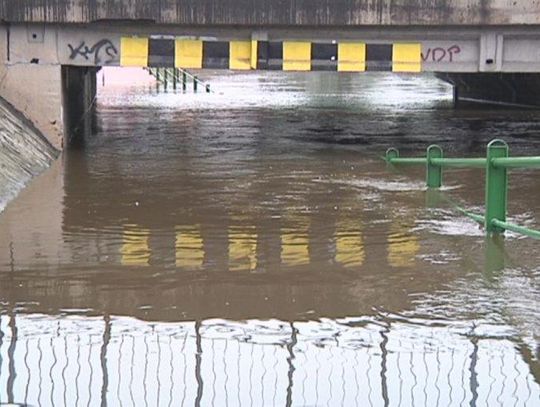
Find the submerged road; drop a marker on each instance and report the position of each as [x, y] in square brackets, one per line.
[250, 247]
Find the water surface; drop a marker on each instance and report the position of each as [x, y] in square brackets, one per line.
[249, 247]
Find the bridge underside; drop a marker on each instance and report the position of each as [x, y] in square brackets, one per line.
[48, 70]
[513, 89]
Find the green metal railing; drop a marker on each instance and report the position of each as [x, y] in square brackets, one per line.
[176, 77]
[496, 164]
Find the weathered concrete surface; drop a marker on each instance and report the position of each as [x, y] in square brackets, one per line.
[35, 91]
[278, 12]
[24, 153]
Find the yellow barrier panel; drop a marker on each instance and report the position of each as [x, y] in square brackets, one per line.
[407, 58]
[254, 53]
[240, 55]
[134, 51]
[351, 57]
[135, 250]
[296, 56]
[350, 248]
[189, 248]
[188, 54]
[242, 250]
[402, 246]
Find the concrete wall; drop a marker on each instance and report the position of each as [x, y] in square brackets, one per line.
[35, 91]
[23, 154]
[278, 12]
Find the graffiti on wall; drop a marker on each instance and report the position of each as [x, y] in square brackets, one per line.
[441, 54]
[102, 52]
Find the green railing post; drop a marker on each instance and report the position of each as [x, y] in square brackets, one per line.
[494, 254]
[496, 164]
[391, 153]
[434, 172]
[496, 186]
[195, 83]
[165, 78]
[433, 198]
[184, 81]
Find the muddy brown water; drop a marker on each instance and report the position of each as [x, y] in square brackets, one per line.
[249, 247]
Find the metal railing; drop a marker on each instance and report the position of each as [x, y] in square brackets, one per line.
[497, 163]
[177, 77]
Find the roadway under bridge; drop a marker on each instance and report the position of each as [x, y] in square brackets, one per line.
[50, 51]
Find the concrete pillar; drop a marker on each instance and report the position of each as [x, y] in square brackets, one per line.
[79, 88]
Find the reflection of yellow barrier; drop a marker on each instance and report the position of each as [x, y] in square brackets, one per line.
[189, 247]
[294, 248]
[242, 249]
[350, 248]
[135, 250]
[402, 246]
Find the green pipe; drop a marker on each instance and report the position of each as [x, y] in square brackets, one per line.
[478, 218]
[516, 162]
[442, 162]
[459, 162]
[515, 228]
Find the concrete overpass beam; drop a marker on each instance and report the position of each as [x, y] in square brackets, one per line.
[491, 52]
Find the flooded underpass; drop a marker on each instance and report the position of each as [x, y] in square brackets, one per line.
[249, 247]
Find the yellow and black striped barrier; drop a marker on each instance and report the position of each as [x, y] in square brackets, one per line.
[270, 55]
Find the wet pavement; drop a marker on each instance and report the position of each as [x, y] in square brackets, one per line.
[249, 247]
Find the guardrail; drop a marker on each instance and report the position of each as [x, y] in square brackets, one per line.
[497, 163]
[177, 76]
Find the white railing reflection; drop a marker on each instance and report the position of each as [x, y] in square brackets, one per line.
[364, 361]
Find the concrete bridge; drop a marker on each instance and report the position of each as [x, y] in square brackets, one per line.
[50, 51]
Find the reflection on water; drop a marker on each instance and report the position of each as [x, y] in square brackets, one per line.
[350, 361]
[249, 247]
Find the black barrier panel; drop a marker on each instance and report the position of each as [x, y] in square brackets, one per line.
[270, 55]
[379, 57]
[216, 54]
[161, 53]
[324, 57]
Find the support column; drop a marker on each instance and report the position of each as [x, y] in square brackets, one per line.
[79, 90]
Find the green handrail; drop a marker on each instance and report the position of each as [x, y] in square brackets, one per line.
[442, 162]
[460, 162]
[517, 162]
[496, 163]
[516, 228]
